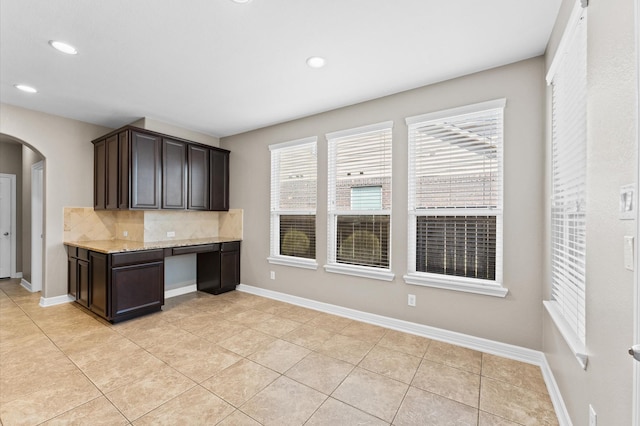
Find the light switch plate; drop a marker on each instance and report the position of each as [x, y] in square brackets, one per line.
[628, 252]
[627, 207]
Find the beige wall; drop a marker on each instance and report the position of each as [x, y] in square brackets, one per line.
[169, 129]
[611, 154]
[66, 146]
[515, 319]
[11, 163]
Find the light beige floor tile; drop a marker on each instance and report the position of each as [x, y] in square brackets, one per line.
[452, 383]
[238, 418]
[284, 402]
[276, 326]
[120, 369]
[204, 361]
[363, 331]
[246, 342]
[517, 373]
[250, 318]
[393, 364]
[330, 322]
[46, 403]
[98, 412]
[486, 419]
[197, 320]
[279, 355]
[345, 348]
[425, 408]
[309, 337]
[334, 412]
[372, 393]
[196, 406]
[455, 356]
[404, 342]
[273, 307]
[149, 334]
[219, 331]
[88, 340]
[240, 382]
[299, 314]
[320, 372]
[140, 397]
[513, 403]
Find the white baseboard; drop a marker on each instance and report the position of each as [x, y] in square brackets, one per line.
[505, 350]
[58, 300]
[180, 291]
[17, 275]
[26, 285]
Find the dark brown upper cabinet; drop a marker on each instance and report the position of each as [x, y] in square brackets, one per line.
[174, 174]
[198, 178]
[139, 169]
[219, 194]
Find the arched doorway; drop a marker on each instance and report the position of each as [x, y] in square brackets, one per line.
[21, 160]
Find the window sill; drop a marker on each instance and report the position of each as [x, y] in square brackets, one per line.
[297, 262]
[577, 347]
[455, 283]
[361, 271]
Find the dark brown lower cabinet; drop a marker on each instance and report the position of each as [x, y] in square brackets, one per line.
[125, 285]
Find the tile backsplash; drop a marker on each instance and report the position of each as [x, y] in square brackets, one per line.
[84, 223]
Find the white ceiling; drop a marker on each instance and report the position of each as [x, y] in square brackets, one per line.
[223, 68]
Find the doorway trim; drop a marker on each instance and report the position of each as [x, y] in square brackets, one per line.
[13, 254]
[636, 275]
[37, 225]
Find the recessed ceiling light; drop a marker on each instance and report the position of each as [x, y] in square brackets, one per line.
[316, 62]
[25, 88]
[242, 1]
[63, 47]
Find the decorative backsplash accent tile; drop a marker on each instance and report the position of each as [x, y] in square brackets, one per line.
[85, 224]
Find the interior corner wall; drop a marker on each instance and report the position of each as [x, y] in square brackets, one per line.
[29, 158]
[180, 132]
[10, 163]
[612, 123]
[515, 319]
[68, 152]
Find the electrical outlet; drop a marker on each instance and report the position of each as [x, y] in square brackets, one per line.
[593, 417]
[272, 275]
[171, 234]
[411, 300]
[125, 233]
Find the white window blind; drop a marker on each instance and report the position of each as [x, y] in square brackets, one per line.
[568, 204]
[359, 196]
[293, 199]
[455, 195]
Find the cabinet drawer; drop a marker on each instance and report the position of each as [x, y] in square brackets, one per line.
[196, 249]
[83, 254]
[232, 246]
[120, 259]
[72, 251]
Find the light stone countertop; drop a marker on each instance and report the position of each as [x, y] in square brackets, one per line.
[120, 246]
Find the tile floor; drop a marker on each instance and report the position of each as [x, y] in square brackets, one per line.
[240, 359]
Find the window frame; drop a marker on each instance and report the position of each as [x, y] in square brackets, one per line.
[275, 257]
[572, 330]
[384, 274]
[452, 282]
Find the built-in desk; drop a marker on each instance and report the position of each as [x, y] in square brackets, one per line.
[119, 280]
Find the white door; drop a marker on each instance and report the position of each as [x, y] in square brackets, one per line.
[5, 226]
[635, 350]
[37, 228]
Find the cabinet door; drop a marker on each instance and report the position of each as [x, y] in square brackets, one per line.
[99, 175]
[112, 176]
[198, 178]
[123, 170]
[145, 171]
[174, 176]
[72, 277]
[219, 180]
[229, 269]
[83, 282]
[99, 284]
[137, 288]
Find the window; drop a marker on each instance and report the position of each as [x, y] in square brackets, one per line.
[568, 79]
[455, 199]
[359, 196]
[293, 203]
